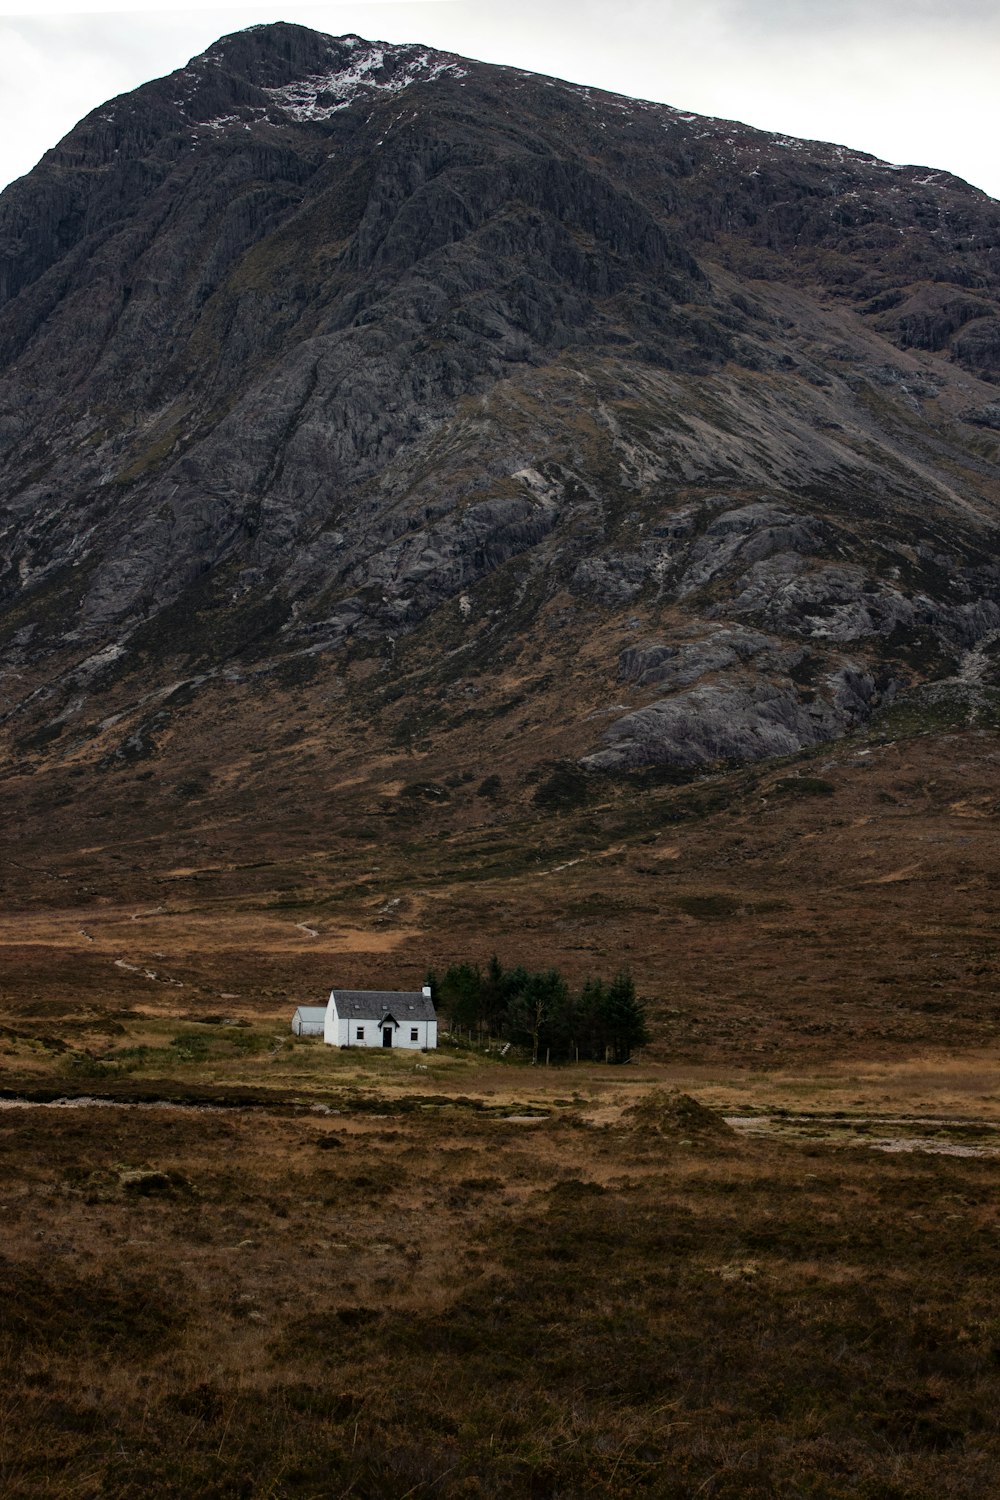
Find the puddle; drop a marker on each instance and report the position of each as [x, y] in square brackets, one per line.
[85, 1102]
[932, 1147]
[840, 1130]
[89, 1101]
[750, 1124]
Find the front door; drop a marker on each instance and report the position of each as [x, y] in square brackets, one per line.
[386, 1036]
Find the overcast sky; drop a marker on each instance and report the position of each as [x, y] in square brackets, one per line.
[910, 80]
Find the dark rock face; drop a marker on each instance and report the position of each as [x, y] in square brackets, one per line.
[275, 347]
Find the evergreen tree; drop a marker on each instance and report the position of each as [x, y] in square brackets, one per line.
[459, 992]
[495, 994]
[535, 1008]
[591, 1039]
[624, 1018]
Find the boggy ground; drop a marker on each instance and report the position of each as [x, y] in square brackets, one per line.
[587, 1285]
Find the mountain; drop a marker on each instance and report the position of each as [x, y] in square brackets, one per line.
[393, 442]
[320, 344]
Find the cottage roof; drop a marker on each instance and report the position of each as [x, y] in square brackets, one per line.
[315, 1013]
[372, 1005]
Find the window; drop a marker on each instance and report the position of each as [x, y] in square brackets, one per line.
[360, 1034]
[414, 1034]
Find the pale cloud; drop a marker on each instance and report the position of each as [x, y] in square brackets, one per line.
[823, 17]
[15, 8]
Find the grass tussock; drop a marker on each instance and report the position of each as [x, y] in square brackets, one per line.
[673, 1113]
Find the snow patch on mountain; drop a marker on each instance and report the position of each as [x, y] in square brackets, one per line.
[374, 70]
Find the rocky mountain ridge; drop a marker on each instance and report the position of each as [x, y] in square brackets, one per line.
[435, 388]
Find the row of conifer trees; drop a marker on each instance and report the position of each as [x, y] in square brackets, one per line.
[604, 1021]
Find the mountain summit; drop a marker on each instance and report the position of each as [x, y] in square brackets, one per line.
[484, 412]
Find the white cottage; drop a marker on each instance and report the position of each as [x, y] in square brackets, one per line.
[309, 1020]
[381, 1018]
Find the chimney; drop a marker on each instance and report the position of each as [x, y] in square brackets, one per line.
[427, 992]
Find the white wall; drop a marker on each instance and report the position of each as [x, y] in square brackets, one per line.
[332, 1025]
[339, 1032]
[307, 1028]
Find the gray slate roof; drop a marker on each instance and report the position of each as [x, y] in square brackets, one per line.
[372, 1005]
[311, 1012]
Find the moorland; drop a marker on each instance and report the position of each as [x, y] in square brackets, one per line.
[757, 1260]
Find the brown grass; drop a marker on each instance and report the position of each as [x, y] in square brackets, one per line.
[764, 929]
[415, 1296]
[441, 1303]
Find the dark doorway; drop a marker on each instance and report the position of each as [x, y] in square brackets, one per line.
[386, 1036]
